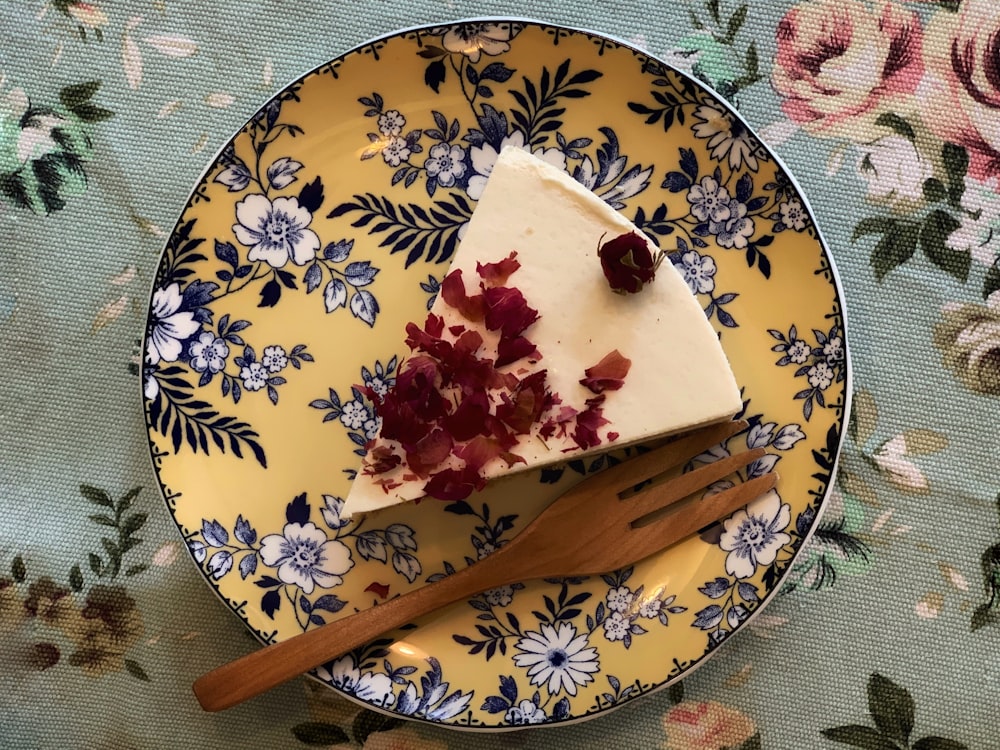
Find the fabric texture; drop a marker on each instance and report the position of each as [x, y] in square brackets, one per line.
[887, 633]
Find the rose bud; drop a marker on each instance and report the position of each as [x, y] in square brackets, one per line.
[628, 263]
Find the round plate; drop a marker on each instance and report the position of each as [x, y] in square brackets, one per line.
[326, 224]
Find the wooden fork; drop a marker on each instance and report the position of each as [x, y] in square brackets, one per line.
[596, 527]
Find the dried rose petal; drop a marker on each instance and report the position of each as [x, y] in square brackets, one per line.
[453, 484]
[429, 452]
[511, 350]
[469, 417]
[453, 293]
[612, 437]
[527, 403]
[380, 460]
[507, 311]
[381, 590]
[496, 274]
[628, 263]
[608, 374]
[587, 423]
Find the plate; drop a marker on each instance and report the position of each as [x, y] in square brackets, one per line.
[327, 223]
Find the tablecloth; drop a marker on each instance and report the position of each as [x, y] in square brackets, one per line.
[886, 632]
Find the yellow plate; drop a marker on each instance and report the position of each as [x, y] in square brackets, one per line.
[325, 225]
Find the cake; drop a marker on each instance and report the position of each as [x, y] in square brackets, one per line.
[556, 334]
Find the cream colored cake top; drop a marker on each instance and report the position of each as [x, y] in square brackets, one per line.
[678, 375]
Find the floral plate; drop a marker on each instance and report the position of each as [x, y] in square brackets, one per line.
[326, 225]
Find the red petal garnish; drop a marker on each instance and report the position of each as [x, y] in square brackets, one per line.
[608, 374]
[496, 274]
[511, 350]
[507, 311]
[453, 293]
[453, 484]
[469, 417]
[612, 437]
[527, 404]
[429, 452]
[381, 590]
[587, 423]
[478, 452]
[380, 460]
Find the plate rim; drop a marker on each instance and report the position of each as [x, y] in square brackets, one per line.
[839, 297]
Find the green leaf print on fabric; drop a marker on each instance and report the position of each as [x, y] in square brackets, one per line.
[43, 149]
[893, 711]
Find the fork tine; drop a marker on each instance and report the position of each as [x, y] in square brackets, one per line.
[661, 495]
[678, 451]
[684, 520]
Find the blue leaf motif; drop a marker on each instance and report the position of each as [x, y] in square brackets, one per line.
[494, 704]
[244, 531]
[561, 709]
[708, 618]
[335, 295]
[406, 565]
[297, 511]
[270, 603]
[214, 534]
[248, 565]
[312, 278]
[329, 603]
[364, 306]
[338, 251]
[715, 589]
[689, 163]
[360, 273]
[748, 592]
[508, 687]
[226, 252]
[220, 563]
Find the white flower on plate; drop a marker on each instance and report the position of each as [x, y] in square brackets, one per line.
[735, 230]
[391, 122]
[727, 137]
[378, 385]
[793, 215]
[275, 232]
[798, 351]
[820, 376]
[754, 535]
[282, 172]
[371, 687]
[275, 359]
[833, 350]
[485, 549]
[476, 39]
[525, 712]
[395, 151]
[619, 599]
[209, 353]
[354, 415]
[254, 376]
[171, 326]
[445, 163]
[305, 557]
[500, 596]
[698, 271]
[485, 156]
[894, 169]
[557, 657]
[709, 200]
[371, 428]
[616, 627]
[651, 607]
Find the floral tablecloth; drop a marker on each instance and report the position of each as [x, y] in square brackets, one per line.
[887, 632]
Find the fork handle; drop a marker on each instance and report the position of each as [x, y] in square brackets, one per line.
[266, 668]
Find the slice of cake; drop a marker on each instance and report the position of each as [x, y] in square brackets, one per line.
[549, 340]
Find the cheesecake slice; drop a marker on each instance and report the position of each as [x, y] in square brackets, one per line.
[533, 353]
